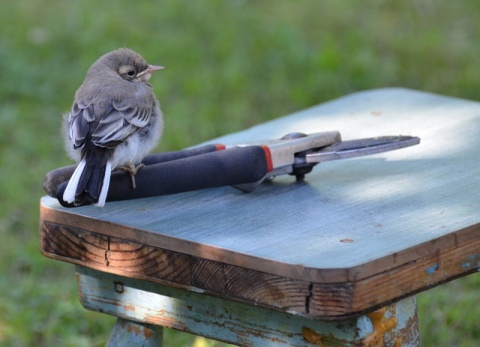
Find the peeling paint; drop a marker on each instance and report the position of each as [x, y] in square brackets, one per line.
[364, 326]
[473, 261]
[432, 269]
[312, 336]
[134, 334]
[129, 308]
[381, 325]
[155, 305]
[133, 328]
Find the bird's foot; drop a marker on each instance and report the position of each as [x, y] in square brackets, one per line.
[132, 170]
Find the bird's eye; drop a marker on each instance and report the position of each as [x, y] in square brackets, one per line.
[131, 73]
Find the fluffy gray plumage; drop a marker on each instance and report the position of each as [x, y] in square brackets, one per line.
[114, 122]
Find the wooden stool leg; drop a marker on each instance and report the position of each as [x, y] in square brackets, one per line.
[128, 333]
[392, 325]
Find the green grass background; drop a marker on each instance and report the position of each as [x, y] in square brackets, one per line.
[229, 65]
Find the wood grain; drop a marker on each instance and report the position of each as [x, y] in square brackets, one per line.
[386, 287]
[320, 300]
[126, 258]
[118, 256]
[253, 286]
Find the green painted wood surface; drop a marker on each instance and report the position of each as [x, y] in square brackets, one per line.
[245, 325]
[385, 210]
[133, 334]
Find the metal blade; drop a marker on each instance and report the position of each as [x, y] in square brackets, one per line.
[361, 147]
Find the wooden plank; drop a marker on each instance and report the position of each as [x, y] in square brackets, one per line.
[321, 300]
[250, 286]
[241, 324]
[99, 251]
[386, 287]
[126, 258]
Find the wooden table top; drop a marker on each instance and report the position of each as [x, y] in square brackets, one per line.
[355, 235]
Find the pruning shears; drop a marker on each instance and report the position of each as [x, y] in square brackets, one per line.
[243, 166]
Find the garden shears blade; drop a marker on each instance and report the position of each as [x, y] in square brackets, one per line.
[297, 153]
[361, 147]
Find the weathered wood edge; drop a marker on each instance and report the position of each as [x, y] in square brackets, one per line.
[318, 300]
[134, 260]
[237, 323]
[294, 271]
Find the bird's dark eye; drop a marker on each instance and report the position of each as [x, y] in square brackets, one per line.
[131, 73]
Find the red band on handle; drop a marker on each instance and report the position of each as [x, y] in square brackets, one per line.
[268, 157]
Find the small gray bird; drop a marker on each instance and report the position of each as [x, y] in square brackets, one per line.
[114, 122]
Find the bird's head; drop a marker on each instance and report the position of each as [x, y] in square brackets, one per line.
[128, 64]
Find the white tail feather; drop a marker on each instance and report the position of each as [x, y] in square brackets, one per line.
[69, 193]
[105, 185]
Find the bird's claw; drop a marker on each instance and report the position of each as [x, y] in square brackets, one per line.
[132, 170]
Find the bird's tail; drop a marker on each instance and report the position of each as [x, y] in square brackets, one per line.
[90, 181]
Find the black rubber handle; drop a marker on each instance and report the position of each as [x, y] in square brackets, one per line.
[54, 178]
[221, 168]
[186, 153]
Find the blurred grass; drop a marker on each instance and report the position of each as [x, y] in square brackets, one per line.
[230, 65]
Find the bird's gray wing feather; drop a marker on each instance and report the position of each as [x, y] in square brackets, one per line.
[113, 124]
[79, 118]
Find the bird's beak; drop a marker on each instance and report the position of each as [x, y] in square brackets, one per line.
[152, 68]
[149, 70]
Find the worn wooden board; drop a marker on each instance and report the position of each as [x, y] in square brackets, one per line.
[317, 300]
[238, 323]
[392, 218]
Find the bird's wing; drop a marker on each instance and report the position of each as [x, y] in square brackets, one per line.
[80, 118]
[112, 125]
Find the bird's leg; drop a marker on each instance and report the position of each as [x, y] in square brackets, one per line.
[132, 170]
